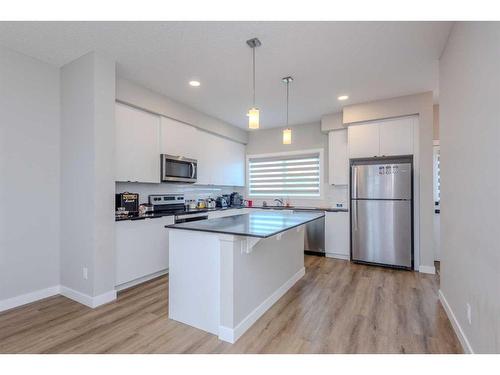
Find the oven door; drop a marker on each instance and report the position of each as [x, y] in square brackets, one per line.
[178, 169]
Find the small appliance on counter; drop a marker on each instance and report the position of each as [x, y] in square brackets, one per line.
[190, 204]
[236, 200]
[201, 203]
[146, 209]
[211, 203]
[222, 201]
[127, 203]
[167, 203]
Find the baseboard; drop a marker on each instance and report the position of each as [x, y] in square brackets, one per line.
[231, 335]
[87, 300]
[427, 269]
[466, 346]
[141, 280]
[338, 256]
[23, 299]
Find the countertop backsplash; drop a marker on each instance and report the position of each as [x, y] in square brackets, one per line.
[190, 191]
[332, 195]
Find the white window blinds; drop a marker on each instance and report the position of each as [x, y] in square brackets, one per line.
[282, 176]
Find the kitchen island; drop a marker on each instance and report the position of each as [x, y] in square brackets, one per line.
[225, 273]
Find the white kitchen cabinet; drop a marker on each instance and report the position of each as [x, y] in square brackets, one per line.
[137, 145]
[338, 160]
[337, 241]
[396, 137]
[220, 161]
[141, 249]
[179, 139]
[382, 138]
[364, 140]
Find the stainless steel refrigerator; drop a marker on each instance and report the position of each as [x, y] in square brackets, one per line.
[382, 211]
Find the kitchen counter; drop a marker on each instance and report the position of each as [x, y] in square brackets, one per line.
[225, 273]
[255, 224]
[199, 210]
[303, 208]
[180, 213]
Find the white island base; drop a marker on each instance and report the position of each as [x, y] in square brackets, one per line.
[223, 283]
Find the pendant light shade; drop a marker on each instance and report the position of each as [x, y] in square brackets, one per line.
[253, 113]
[253, 118]
[287, 133]
[287, 136]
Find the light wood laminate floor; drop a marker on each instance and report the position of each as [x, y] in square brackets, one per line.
[337, 307]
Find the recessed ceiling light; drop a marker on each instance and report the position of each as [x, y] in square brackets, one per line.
[194, 83]
[343, 97]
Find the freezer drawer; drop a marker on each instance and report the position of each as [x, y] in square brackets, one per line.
[381, 232]
[381, 181]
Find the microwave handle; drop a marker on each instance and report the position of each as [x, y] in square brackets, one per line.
[193, 170]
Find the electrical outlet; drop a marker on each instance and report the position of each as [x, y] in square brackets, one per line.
[85, 273]
[469, 314]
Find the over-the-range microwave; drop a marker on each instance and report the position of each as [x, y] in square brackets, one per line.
[178, 169]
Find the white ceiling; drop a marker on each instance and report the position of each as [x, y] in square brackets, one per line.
[365, 60]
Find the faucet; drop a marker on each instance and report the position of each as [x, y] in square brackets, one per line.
[280, 202]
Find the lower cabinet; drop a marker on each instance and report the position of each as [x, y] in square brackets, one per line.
[337, 243]
[141, 249]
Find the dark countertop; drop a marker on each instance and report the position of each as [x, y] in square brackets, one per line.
[303, 208]
[162, 214]
[255, 224]
[197, 210]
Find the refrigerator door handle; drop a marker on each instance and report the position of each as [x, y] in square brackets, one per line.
[355, 215]
[354, 181]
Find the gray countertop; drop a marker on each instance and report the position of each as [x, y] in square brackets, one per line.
[261, 224]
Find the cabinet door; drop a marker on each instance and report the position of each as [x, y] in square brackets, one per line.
[178, 139]
[206, 166]
[137, 145]
[338, 162]
[141, 248]
[234, 167]
[396, 137]
[337, 243]
[364, 140]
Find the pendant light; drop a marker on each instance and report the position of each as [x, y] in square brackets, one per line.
[287, 133]
[253, 113]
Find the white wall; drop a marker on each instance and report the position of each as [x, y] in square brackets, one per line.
[29, 170]
[304, 137]
[87, 175]
[470, 181]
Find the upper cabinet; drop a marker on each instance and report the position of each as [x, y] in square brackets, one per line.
[178, 139]
[137, 145]
[141, 137]
[338, 160]
[220, 161]
[396, 137]
[364, 140]
[384, 138]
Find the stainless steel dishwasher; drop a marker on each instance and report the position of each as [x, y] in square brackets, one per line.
[314, 236]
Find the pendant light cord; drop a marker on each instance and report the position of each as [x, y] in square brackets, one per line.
[253, 50]
[287, 99]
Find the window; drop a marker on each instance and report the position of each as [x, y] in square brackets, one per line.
[285, 175]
